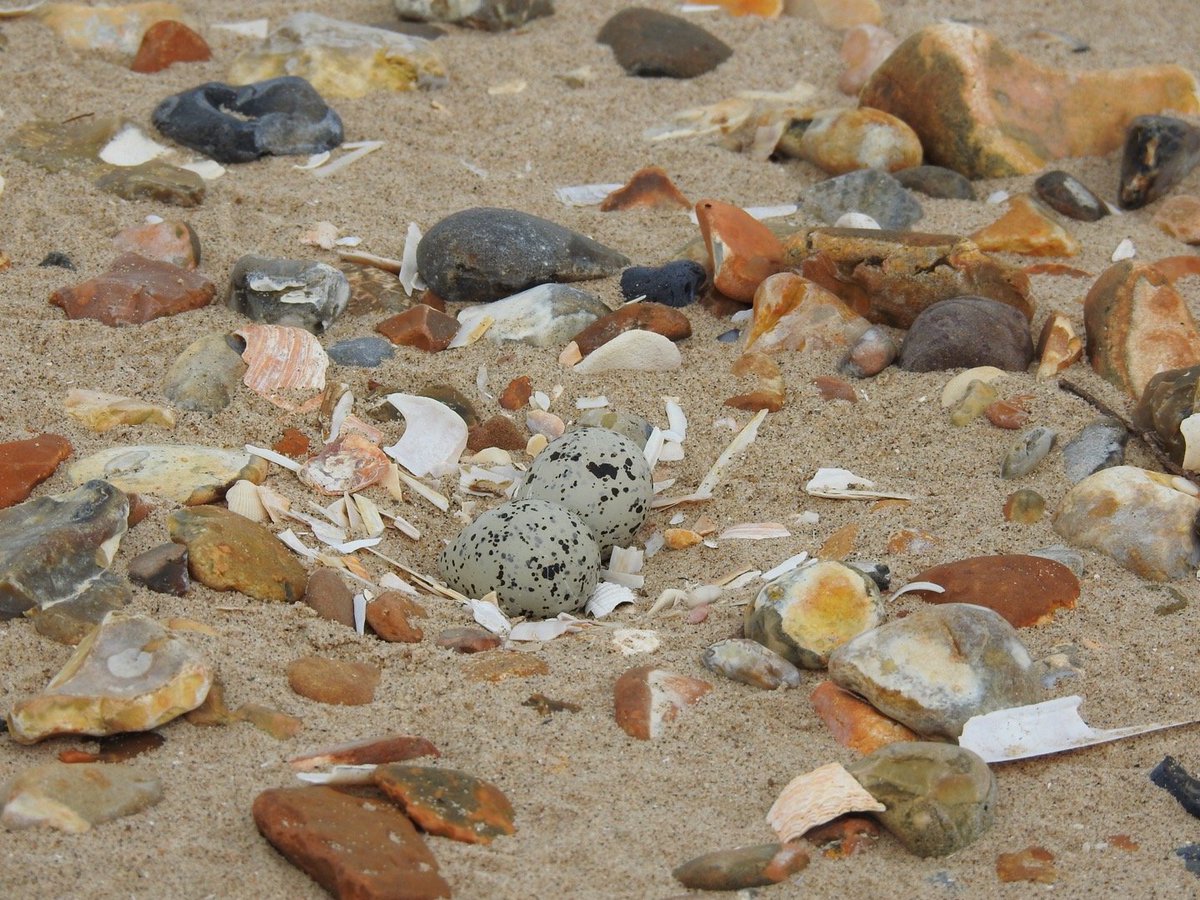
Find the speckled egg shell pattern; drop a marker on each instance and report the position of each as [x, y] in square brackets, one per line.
[599, 475]
[538, 557]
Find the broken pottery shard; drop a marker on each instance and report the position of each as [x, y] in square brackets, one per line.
[186, 473]
[204, 376]
[1027, 228]
[1143, 520]
[129, 674]
[749, 662]
[633, 351]
[116, 29]
[1160, 151]
[815, 798]
[648, 699]
[281, 358]
[58, 548]
[351, 846]
[745, 867]
[1025, 590]
[547, 315]
[296, 292]
[938, 667]
[483, 254]
[1137, 325]
[486, 15]
[939, 798]
[135, 290]
[341, 59]
[228, 552]
[872, 192]
[793, 313]
[26, 464]
[890, 277]
[742, 251]
[987, 112]
[448, 803]
[100, 411]
[854, 723]
[73, 798]
[370, 751]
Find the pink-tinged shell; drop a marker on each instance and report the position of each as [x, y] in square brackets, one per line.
[281, 358]
[346, 465]
[817, 797]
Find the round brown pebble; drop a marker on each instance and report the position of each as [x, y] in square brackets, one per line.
[333, 680]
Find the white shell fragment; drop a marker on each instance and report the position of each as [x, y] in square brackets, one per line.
[818, 797]
[435, 436]
[1190, 429]
[704, 492]
[635, 350]
[358, 149]
[632, 641]
[606, 597]
[1041, 728]
[1124, 250]
[131, 147]
[410, 279]
[339, 775]
[585, 194]
[256, 29]
[754, 531]
[842, 484]
[787, 565]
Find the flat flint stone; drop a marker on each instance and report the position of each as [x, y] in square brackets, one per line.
[482, 254]
[547, 315]
[1169, 398]
[186, 473]
[652, 44]
[1025, 590]
[155, 180]
[663, 320]
[486, 15]
[870, 191]
[27, 463]
[674, 284]
[965, 332]
[1028, 451]
[1160, 151]
[162, 569]
[294, 292]
[748, 661]
[204, 376]
[1065, 194]
[448, 803]
[333, 681]
[279, 116]
[937, 182]
[351, 846]
[135, 290]
[363, 352]
[1100, 445]
[745, 867]
[74, 797]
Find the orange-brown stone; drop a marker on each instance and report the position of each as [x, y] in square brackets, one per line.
[770, 394]
[391, 616]
[840, 544]
[1035, 864]
[391, 748]
[863, 48]
[500, 665]
[845, 836]
[170, 242]
[742, 251]
[1027, 228]
[166, 43]
[293, 442]
[420, 326]
[135, 290]
[333, 680]
[855, 723]
[1179, 216]
[645, 316]
[793, 313]
[1025, 590]
[767, 9]
[26, 464]
[647, 699]
[517, 394]
[448, 803]
[1006, 414]
[831, 387]
[498, 431]
[649, 188]
[1058, 347]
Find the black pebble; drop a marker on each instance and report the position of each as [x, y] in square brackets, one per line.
[54, 259]
[674, 284]
[935, 181]
[1067, 195]
[1179, 783]
[1159, 153]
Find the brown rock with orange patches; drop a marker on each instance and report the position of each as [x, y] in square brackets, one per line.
[333, 681]
[135, 290]
[1058, 347]
[647, 699]
[293, 442]
[769, 394]
[1179, 217]
[742, 252]
[845, 836]
[855, 723]
[656, 317]
[517, 394]
[1007, 414]
[166, 43]
[420, 326]
[649, 188]
[448, 803]
[864, 47]
[170, 242]
[1027, 228]
[793, 313]
[498, 431]
[840, 544]
[1025, 590]
[1176, 267]
[1034, 864]
[391, 615]
[831, 388]
[26, 464]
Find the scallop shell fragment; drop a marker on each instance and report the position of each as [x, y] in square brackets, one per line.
[434, 435]
[345, 465]
[281, 358]
[817, 797]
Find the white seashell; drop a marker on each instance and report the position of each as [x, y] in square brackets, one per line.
[208, 169]
[787, 565]
[654, 543]
[339, 775]
[591, 402]
[917, 586]
[1124, 250]
[545, 630]
[130, 147]
[515, 86]
[252, 28]
[358, 149]
[317, 159]
[818, 797]
[628, 560]
[546, 423]
[856, 220]
[704, 492]
[632, 641]
[997, 197]
[434, 438]
[672, 451]
[424, 490]
[540, 399]
[243, 499]
[281, 358]
[393, 582]
[606, 597]
[842, 484]
[368, 511]
[754, 531]
[635, 350]
[360, 612]
[410, 278]
[1190, 429]
[536, 444]
[489, 616]
[956, 388]
[585, 194]
[289, 539]
[471, 331]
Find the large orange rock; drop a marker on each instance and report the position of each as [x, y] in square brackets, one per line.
[1027, 228]
[986, 111]
[1025, 590]
[742, 251]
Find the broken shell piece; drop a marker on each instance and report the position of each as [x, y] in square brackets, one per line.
[100, 411]
[632, 641]
[842, 484]
[817, 797]
[243, 499]
[1058, 347]
[754, 531]
[282, 358]
[606, 597]
[650, 187]
[634, 350]
[345, 465]
[434, 438]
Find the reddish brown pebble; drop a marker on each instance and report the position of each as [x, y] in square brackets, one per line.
[1035, 864]
[278, 725]
[390, 616]
[26, 464]
[139, 509]
[1006, 414]
[648, 188]
[329, 596]
[354, 847]
[501, 665]
[1050, 268]
[855, 723]
[420, 326]
[468, 639]
[1025, 590]
[845, 836]
[747, 251]
[664, 320]
[77, 756]
[745, 867]
[1026, 507]
[293, 443]
[371, 751]
[831, 388]
[135, 290]
[333, 681]
[498, 431]
[1179, 216]
[448, 803]
[840, 544]
[162, 569]
[517, 394]
[1123, 842]
[170, 242]
[166, 43]
[646, 699]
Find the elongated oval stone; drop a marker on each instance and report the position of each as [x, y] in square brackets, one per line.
[188, 474]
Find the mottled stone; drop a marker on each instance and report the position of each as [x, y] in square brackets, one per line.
[73, 798]
[228, 552]
[793, 313]
[750, 662]
[1025, 507]
[1033, 864]
[448, 803]
[854, 723]
[1027, 228]
[375, 290]
[486, 15]
[1100, 445]
[938, 667]
[986, 111]
[547, 315]
[979, 396]
[135, 290]
[1143, 520]
[186, 473]
[846, 139]
[1160, 151]
[333, 681]
[872, 192]
[420, 326]
[351, 846]
[965, 332]
[1028, 451]
[468, 639]
[648, 699]
[746, 867]
[1168, 400]
[500, 665]
[1179, 217]
[742, 251]
[864, 47]
[155, 180]
[940, 798]
[664, 320]
[391, 616]
[205, 375]
[652, 44]
[329, 597]
[129, 674]
[294, 292]
[870, 354]
[1065, 194]
[27, 463]
[163, 569]
[937, 182]
[483, 254]
[100, 411]
[1025, 590]
[674, 284]
[114, 29]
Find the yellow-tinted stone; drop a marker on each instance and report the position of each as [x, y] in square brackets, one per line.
[1027, 228]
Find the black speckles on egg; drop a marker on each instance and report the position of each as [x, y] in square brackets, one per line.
[538, 557]
[600, 475]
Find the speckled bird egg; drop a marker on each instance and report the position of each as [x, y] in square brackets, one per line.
[538, 557]
[599, 475]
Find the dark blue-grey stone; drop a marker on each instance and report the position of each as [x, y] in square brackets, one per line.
[1160, 151]
[652, 44]
[279, 117]
[57, 260]
[1099, 445]
[870, 191]
[296, 292]
[364, 352]
[730, 336]
[964, 332]
[937, 182]
[674, 284]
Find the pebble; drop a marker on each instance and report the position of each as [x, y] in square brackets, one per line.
[1028, 452]
[649, 188]
[1179, 217]
[333, 681]
[1066, 194]
[853, 722]
[1179, 783]
[175, 243]
[468, 639]
[986, 111]
[870, 354]
[351, 846]
[979, 396]
[793, 313]
[293, 292]
[1160, 151]
[113, 29]
[391, 616]
[1008, 414]
[56, 260]
[937, 182]
[501, 665]
[27, 463]
[652, 44]
[1027, 228]
[965, 332]
[420, 326]
[448, 803]
[498, 431]
[831, 388]
[186, 473]
[517, 393]
[547, 315]
[373, 750]
[1033, 864]
[341, 59]
[375, 290]
[743, 868]
[1100, 445]
[72, 798]
[870, 191]
[847, 139]
[362, 352]
[205, 375]
[940, 798]
[675, 284]
[633, 351]
[807, 613]
[1137, 325]
[486, 15]
[749, 662]
[1058, 347]
[135, 290]
[280, 116]
[228, 552]
[742, 251]
[660, 319]
[101, 412]
[1025, 507]
[130, 674]
[1025, 590]
[864, 47]
[482, 254]
[1143, 520]
[1165, 403]
[938, 667]
[167, 42]
[163, 569]
[327, 595]
[647, 700]
[155, 180]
